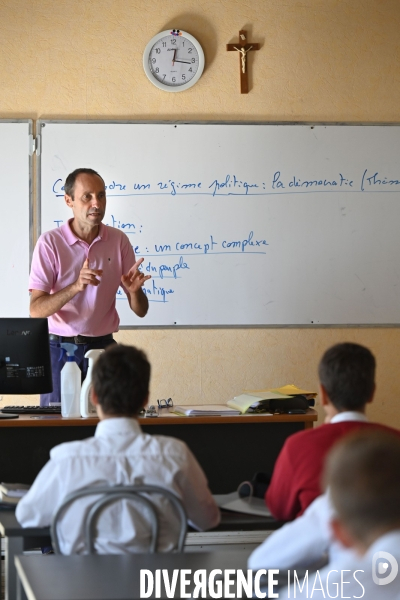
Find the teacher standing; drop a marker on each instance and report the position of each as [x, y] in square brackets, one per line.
[76, 271]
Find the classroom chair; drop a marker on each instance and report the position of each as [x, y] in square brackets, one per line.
[138, 493]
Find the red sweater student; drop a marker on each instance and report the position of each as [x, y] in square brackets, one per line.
[347, 385]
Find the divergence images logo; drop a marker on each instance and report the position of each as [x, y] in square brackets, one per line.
[380, 566]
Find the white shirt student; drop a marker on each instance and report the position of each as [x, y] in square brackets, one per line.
[363, 475]
[301, 544]
[355, 577]
[119, 454]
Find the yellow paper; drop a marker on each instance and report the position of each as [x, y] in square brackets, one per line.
[289, 390]
[292, 390]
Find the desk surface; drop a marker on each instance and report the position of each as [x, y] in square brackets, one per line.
[24, 538]
[164, 419]
[111, 577]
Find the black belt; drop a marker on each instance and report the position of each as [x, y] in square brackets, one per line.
[79, 339]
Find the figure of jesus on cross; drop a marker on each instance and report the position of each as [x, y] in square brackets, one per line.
[243, 48]
[243, 52]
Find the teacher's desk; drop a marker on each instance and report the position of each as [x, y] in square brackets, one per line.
[229, 449]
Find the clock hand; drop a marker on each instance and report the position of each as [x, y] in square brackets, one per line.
[173, 58]
[187, 62]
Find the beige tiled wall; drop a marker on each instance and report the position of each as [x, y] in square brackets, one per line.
[321, 60]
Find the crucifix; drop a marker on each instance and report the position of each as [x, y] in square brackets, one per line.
[243, 48]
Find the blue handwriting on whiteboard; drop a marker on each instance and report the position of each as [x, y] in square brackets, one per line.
[160, 294]
[196, 245]
[377, 180]
[229, 183]
[162, 248]
[57, 188]
[127, 227]
[228, 245]
[154, 290]
[118, 186]
[242, 244]
[296, 182]
[172, 186]
[167, 269]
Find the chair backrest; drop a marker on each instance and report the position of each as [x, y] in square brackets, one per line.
[109, 495]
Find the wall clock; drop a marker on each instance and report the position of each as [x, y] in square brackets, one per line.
[173, 60]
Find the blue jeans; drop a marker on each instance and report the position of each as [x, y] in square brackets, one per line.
[57, 364]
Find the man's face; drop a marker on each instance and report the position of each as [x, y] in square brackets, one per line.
[89, 201]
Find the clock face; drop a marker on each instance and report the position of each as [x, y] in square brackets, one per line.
[173, 60]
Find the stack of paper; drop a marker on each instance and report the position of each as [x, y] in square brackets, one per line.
[206, 410]
[253, 399]
[257, 398]
[11, 493]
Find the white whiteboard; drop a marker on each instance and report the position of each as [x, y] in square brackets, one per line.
[15, 221]
[245, 224]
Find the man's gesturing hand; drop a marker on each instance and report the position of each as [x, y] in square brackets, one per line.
[88, 276]
[134, 280]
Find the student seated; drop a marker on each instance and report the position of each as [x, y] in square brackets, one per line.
[363, 475]
[347, 384]
[308, 540]
[304, 543]
[119, 454]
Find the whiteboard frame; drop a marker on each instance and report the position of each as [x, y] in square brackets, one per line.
[30, 152]
[40, 123]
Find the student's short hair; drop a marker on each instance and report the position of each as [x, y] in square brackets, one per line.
[362, 473]
[69, 185]
[347, 372]
[121, 377]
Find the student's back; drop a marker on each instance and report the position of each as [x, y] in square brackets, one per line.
[296, 481]
[363, 479]
[347, 384]
[119, 454]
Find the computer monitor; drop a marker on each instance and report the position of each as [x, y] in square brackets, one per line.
[25, 365]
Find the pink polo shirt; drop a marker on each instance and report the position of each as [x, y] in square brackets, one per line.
[57, 260]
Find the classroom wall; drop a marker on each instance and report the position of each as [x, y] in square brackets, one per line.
[321, 60]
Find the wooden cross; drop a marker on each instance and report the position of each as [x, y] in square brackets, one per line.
[243, 48]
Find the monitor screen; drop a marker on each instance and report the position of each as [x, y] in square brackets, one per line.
[25, 365]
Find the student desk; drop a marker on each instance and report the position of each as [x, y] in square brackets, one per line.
[229, 449]
[112, 577]
[18, 539]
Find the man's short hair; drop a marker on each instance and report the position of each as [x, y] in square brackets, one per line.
[69, 185]
[347, 372]
[121, 377]
[362, 473]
